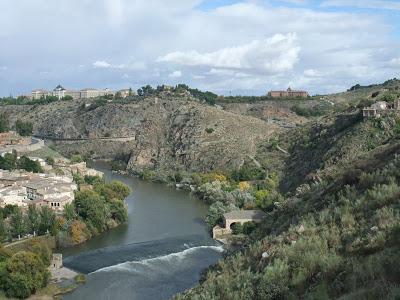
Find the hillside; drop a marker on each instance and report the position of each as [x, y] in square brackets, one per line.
[155, 133]
[336, 233]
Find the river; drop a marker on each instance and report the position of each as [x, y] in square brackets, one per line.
[161, 251]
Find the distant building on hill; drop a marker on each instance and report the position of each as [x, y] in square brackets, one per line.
[60, 92]
[288, 93]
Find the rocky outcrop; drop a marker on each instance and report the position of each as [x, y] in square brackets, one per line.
[156, 133]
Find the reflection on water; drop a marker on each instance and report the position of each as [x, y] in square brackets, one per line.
[161, 251]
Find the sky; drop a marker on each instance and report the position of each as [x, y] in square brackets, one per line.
[229, 47]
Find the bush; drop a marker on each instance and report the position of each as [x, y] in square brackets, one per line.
[76, 158]
[24, 128]
[67, 98]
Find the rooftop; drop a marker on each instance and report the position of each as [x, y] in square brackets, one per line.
[245, 215]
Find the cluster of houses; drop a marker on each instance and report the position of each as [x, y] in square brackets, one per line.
[381, 108]
[60, 92]
[22, 188]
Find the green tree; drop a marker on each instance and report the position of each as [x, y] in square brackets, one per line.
[215, 213]
[4, 233]
[9, 209]
[92, 208]
[29, 165]
[67, 98]
[47, 220]
[24, 128]
[118, 211]
[113, 190]
[17, 223]
[33, 219]
[50, 161]
[23, 275]
[69, 212]
[9, 161]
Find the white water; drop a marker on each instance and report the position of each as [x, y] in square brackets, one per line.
[129, 266]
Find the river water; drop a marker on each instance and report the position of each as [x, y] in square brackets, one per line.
[161, 251]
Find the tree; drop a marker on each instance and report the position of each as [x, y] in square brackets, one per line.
[92, 208]
[69, 212]
[33, 219]
[24, 128]
[29, 165]
[42, 250]
[23, 274]
[50, 161]
[67, 98]
[4, 123]
[215, 213]
[118, 211]
[78, 231]
[17, 223]
[113, 190]
[9, 209]
[47, 220]
[4, 234]
[9, 161]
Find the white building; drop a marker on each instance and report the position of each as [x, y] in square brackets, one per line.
[60, 92]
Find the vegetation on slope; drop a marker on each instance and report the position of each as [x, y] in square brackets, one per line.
[336, 232]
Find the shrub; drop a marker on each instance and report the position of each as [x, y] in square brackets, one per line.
[76, 158]
[24, 128]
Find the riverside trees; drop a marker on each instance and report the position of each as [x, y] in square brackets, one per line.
[94, 210]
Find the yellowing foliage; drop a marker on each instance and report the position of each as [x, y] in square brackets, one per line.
[211, 177]
[244, 186]
[78, 231]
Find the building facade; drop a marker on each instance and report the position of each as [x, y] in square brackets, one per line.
[289, 93]
[60, 92]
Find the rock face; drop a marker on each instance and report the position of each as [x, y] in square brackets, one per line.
[155, 133]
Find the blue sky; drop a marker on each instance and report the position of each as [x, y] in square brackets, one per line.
[226, 46]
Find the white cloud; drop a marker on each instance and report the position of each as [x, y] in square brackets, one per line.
[395, 62]
[194, 76]
[374, 4]
[249, 47]
[276, 54]
[101, 64]
[175, 74]
[132, 66]
[312, 73]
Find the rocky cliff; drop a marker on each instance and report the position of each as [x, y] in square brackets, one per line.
[156, 133]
